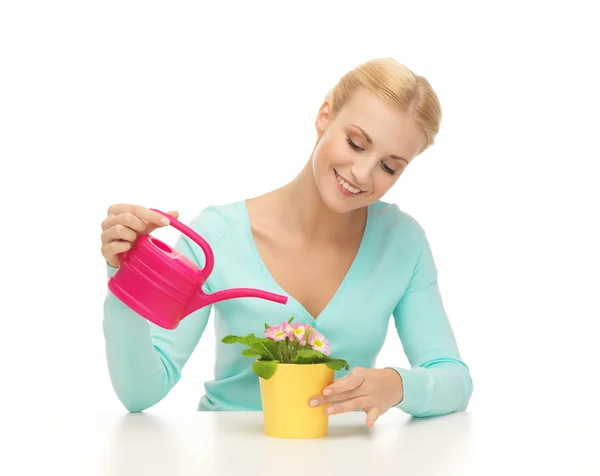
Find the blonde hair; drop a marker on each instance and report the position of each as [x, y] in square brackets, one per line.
[399, 87]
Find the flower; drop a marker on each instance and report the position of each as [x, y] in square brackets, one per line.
[289, 331]
[276, 333]
[299, 324]
[318, 342]
[299, 333]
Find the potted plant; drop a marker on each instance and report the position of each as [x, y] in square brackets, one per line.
[293, 364]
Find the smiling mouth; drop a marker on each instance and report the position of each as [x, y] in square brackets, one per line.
[347, 185]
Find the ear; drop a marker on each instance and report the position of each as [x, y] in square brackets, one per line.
[323, 118]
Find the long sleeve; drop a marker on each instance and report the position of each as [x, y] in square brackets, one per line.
[144, 360]
[438, 382]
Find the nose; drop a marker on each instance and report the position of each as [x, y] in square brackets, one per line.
[362, 172]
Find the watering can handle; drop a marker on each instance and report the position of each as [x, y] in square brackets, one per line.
[208, 253]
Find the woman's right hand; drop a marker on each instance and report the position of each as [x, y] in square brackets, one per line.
[124, 224]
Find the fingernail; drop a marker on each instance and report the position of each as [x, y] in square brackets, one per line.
[165, 221]
[313, 403]
[330, 410]
[327, 391]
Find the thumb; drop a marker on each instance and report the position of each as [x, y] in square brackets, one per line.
[173, 213]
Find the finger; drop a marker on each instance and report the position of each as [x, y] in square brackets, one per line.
[151, 228]
[372, 415]
[338, 393]
[114, 248]
[150, 216]
[359, 391]
[343, 388]
[127, 219]
[119, 208]
[338, 397]
[141, 212]
[118, 232]
[351, 405]
[351, 381]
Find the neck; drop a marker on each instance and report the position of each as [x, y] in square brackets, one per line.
[302, 212]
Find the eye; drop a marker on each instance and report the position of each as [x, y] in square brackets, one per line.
[383, 164]
[353, 145]
[387, 169]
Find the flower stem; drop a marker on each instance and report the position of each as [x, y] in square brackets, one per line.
[283, 349]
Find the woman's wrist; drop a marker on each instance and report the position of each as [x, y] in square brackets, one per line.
[397, 384]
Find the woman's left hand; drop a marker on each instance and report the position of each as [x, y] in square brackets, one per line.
[373, 390]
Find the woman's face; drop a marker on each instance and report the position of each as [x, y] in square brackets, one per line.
[362, 151]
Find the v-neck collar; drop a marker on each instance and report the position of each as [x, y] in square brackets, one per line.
[348, 278]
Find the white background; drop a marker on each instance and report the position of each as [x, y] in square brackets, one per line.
[186, 104]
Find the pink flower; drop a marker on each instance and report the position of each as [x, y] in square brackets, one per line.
[299, 332]
[318, 342]
[289, 330]
[276, 333]
[295, 325]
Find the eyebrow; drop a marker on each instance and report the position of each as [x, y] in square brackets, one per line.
[370, 141]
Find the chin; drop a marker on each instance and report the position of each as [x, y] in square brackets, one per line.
[338, 203]
[336, 206]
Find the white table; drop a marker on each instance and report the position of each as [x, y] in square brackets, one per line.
[198, 443]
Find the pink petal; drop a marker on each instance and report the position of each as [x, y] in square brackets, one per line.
[271, 332]
[315, 336]
[289, 330]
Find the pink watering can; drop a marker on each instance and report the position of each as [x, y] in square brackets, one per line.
[164, 286]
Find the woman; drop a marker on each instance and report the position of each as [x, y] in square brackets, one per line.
[347, 260]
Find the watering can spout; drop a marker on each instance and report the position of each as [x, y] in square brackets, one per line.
[201, 299]
[245, 293]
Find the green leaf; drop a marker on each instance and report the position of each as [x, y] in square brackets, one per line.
[337, 364]
[251, 338]
[264, 369]
[291, 319]
[308, 356]
[250, 353]
[233, 340]
[267, 348]
[267, 326]
[248, 340]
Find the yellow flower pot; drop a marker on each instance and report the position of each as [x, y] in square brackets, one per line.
[285, 397]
